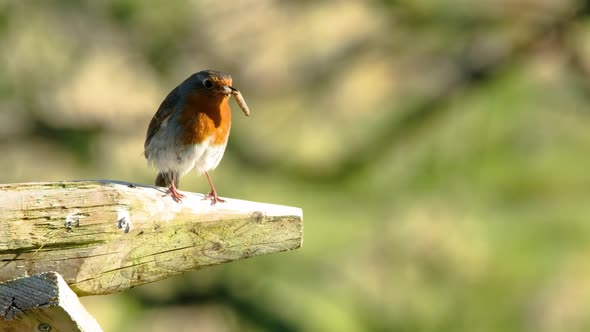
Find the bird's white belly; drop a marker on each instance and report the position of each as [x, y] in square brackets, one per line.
[204, 156]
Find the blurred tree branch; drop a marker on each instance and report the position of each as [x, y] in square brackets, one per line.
[580, 68]
[472, 74]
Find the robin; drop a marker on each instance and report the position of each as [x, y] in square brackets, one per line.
[190, 130]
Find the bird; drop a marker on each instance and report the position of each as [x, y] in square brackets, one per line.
[190, 130]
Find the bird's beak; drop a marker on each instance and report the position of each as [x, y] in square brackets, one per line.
[230, 90]
[227, 90]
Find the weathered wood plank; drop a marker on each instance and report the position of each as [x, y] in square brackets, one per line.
[105, 236]
[43, 302]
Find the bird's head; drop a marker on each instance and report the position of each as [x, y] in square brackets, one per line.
[214, 84]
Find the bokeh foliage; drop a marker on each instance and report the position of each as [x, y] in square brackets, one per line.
[439, 150]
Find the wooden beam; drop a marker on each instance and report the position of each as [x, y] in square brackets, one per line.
[107, 236]
[43, 302]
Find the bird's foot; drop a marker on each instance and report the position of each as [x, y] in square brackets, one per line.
[176, 196]
[214, 198]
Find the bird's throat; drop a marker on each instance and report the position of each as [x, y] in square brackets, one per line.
[205, 117]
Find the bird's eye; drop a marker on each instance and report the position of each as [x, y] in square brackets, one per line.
[208, 84]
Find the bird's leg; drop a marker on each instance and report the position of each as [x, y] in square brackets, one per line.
[176, 196]
[213, 194]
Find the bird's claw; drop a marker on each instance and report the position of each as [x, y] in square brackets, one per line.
[176, 196]
[214, 198]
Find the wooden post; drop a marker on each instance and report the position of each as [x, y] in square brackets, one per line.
[106, 236]
[43, 302]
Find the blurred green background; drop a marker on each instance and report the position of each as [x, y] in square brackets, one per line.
[439, 149]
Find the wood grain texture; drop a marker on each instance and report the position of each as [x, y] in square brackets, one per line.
[43, 302]
[106, 236]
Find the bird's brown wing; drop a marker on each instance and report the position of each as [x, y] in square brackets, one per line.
[164, 111]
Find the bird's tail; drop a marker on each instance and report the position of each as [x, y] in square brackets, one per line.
[165, 178]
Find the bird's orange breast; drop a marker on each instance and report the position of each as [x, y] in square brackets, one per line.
[204, 116]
